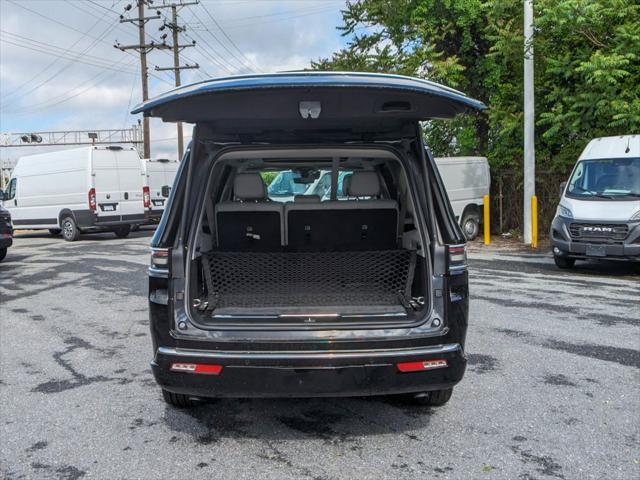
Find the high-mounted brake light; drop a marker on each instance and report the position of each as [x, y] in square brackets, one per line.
[421, 365]
[146, 197]
[92, 199]
[202, 368]
[457, 258]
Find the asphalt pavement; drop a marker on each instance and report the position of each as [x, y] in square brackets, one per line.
[552, 389]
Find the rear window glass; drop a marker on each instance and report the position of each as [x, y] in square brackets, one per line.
[285, 185]
[281, 185]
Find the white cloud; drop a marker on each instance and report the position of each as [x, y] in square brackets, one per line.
[40, 92]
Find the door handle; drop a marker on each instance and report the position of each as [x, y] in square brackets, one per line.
[126, 195]
[15, 202]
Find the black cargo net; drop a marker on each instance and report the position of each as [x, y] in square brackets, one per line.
[243, 279]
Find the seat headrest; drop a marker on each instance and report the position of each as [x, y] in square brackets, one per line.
[362, 184]
[249, 186]
[306, 199]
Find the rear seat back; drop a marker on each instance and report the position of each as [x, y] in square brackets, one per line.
[250, 221]
[364, 223]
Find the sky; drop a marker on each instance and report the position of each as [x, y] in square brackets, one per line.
[59, 69]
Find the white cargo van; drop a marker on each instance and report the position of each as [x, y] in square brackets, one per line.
[467, 180]
[158, 173]
[599, 211]
[86, 189]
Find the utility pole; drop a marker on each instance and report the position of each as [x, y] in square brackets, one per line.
[529, 122]
[143, 48]
[175, 30]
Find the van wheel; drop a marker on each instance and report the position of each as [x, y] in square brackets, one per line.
[470, 226]
[563, 262]
[435, 398]
[3, 253]
[70, 230]
[178, 400]
[122, 231]
[55, 231]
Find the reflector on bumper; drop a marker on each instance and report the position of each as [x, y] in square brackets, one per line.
[197, 368]
[421, 365]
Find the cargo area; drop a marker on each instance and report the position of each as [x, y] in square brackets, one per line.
[310, 239]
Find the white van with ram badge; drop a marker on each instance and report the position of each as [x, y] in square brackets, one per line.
[599, 211]
[88, 189]
[467, 180]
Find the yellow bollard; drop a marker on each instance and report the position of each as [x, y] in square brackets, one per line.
[487, 230]
[534, 222]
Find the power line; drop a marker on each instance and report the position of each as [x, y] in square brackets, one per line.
[320, 11]
[126, 112]
[209, 51]
[65, 98]
[66, 65]
[239, 23]
[142, 47]
[229, 52]
[58, 22]
[176, 29]
[58, 52]
[249, 62]
[50, 64]
[93, 2]
[88, 8]
[201, 71]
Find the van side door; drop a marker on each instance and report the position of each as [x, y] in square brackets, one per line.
[130, 180]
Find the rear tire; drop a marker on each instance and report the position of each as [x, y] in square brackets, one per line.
[70, 231]
[55, 231]
[562, 262]
[178, 400]
[435, 398]
[470, 226]
[3, 253]
[122, 231]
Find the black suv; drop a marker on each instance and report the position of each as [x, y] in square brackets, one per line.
[6, 232]
[362, 290]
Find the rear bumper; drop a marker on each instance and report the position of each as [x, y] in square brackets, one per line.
[308, 374]
[88, 220]
[119, 219]
[629, 249]
[153, 216]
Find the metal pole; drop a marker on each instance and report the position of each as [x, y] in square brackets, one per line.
[487, 219]
[500, 204]
[529, 121]
[145, 79]
[176, 64]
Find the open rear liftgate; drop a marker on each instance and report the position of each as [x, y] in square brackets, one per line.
[301, 281]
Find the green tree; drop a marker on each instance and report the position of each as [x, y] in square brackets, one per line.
[587, 74]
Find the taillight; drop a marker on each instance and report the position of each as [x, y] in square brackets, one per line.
[421, 366]
[203, 368]
[146, 197]
[160, 258]
[457, 257]
[92, 199]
